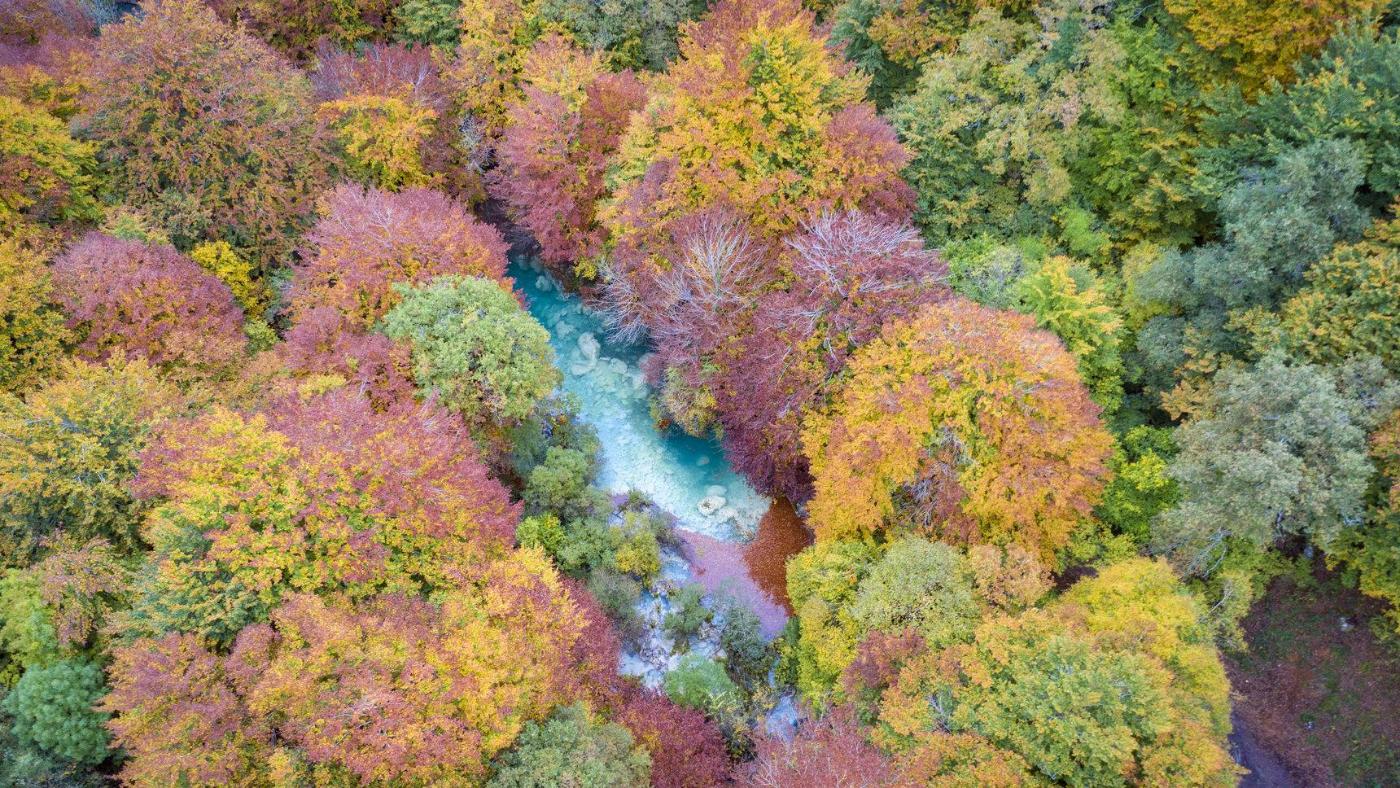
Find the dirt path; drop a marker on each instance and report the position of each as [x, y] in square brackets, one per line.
[1265, 768]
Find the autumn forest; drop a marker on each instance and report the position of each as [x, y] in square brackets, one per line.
[779, 393]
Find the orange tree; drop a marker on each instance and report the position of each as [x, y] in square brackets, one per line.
[965, 423]
[759, 114]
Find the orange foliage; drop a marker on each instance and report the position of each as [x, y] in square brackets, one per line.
[965, 423]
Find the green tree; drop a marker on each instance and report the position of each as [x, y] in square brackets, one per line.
[822, 583]
[53, 710]
[700, 682]
[1278, 450]
[575, 750]
[1350, 91]
[475, 347]
[1275, 227]
[923, 586]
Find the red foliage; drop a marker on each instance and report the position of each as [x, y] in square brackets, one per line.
[324, 343]
[552, 161]
[180, 715]
[848, 274]
[687, 750]
[381, 70]
[27, 21]
[368, 240]
[832, 751]
[150, 300]
[416, 457]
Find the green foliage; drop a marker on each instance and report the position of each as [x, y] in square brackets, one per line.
[688, 613]
[617, 594]
[475, 347]
[53, 710]
[1141, 487]
[746, 654]
[636, 34]
[432, 22]
[48, 176]
[70, 451]
[1276, 226]
[822, 582]
[1372, 551]
[1068, 300]
[701, 683]
[1119, 677]
[571, 748]
[919, 585]
[27, 635]
[1350, 304]
[1351, 90]
[638, 553]
[562, 484]
[32, 330]
[542, 531]
[1278, 451]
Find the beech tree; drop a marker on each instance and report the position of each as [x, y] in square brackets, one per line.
[965, 423]
[558, 142]
[205, 129]
[847, 275]
[369, 240]
[135, 299]
[325, 496]
[1120, 678]
[1263, 40]
[295, 27]
[1373, 549]
[411, 690]
[32, 330]
[71, 450]
[756, 115]
[45, 175]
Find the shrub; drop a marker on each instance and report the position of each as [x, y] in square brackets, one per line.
[688, 613]
[53, 710]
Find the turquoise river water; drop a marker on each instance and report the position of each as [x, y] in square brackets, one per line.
[684, 475]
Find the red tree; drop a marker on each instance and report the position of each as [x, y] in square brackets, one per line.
[831, 751]
[368, 240]
[150, 300]
[557, 146]
[846, 275]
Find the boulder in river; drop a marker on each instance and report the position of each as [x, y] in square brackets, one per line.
[588, 347]
[711, 504]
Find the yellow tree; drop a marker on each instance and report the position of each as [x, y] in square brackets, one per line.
[964, 423]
